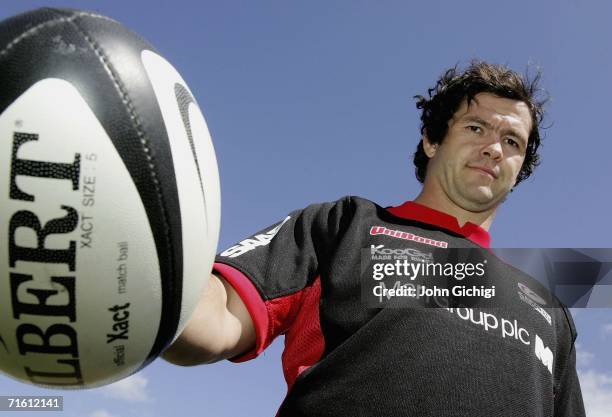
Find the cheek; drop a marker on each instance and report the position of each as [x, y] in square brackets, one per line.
[514, 165]
[446, 162]
[459, 157]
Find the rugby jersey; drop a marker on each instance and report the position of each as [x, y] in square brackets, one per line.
[304, 278]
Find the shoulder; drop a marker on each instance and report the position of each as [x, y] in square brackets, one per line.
[346, 205]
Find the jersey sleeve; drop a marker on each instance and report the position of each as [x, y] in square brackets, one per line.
[568, 399]
[568, 395]
[273, 269]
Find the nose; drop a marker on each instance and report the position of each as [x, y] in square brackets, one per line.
[493, 147]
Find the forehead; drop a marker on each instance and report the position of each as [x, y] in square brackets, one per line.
[498, 111]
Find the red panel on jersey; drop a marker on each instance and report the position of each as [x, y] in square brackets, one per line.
[304, 343]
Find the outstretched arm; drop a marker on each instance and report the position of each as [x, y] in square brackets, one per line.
[220, 328]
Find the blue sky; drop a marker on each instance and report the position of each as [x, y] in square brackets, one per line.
[310, 101]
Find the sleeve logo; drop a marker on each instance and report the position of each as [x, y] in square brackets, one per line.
[249, 244]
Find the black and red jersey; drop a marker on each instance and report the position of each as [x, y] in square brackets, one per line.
[302, 278]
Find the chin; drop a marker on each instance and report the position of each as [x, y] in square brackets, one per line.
[480, 200]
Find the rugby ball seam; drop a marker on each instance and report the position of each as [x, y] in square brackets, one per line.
[32, 31]
[125, 98]
[49, 23]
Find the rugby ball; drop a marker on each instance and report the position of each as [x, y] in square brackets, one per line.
[109, 200]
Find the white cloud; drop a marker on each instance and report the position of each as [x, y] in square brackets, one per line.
[132, 388]
[597, 393]
[102, 413]
[583, 357]
[607, 329]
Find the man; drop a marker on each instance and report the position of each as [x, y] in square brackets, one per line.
[303, 278]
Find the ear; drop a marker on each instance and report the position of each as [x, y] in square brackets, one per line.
[429, 148]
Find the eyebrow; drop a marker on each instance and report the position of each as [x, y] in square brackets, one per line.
[488, 125]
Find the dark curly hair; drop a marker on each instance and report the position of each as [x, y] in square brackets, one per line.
[479, 77]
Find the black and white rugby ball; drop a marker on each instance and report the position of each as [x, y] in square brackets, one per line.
[109, 200]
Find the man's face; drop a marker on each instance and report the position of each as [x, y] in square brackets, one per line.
[479, 160]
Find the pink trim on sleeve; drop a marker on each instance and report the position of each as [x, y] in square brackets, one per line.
[254, 304]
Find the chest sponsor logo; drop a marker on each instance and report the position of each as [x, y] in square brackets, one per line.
[528, 296]
[399, 234]
[508, 329]
[249, 244]
[543, 353]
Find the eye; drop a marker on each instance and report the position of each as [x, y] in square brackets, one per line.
[475, 129]
[512, 142]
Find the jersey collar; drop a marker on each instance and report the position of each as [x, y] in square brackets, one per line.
[415, 211]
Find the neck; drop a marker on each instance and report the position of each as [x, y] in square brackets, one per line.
[483, 219]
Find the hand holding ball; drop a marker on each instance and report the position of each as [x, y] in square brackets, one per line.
[110, 200]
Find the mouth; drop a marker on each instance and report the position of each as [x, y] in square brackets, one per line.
[484, 170]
